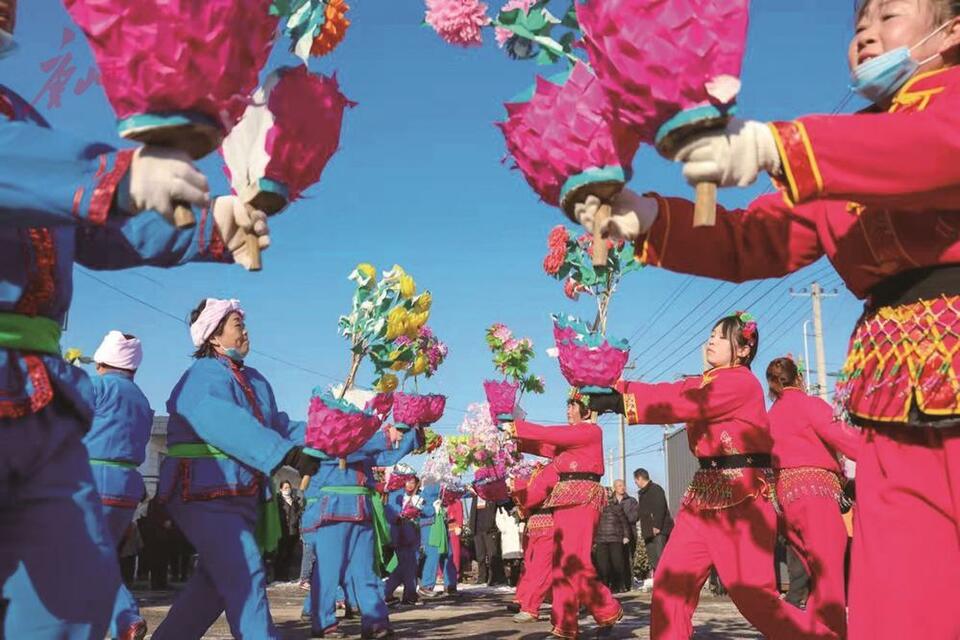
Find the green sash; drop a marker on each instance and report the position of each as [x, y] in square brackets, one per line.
[112, 463]
[267, 530]
[382, 564]
[29, 333]
[438, 531]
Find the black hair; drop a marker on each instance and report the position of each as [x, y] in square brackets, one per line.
[782, 373]
[206, 350]
[584, 410]
[641, 473]
[731, 328]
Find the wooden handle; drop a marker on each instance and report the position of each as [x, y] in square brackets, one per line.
[304, 483]
[183, 217]
[343, 464]
[599, 242]
[705, 209]
[253, 249]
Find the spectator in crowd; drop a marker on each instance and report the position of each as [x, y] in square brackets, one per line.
[655, 521]
[158, 533]
[511, 548]
[612, 535]
[486, 541]
[631, 509]
[291, 509]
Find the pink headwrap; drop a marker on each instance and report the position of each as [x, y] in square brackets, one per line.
[213, 312]
[119, 351]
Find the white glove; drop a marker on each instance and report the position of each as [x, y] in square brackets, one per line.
[436, 505]
[236, 221]
[733, 157]
[159, 178]
[631, 215]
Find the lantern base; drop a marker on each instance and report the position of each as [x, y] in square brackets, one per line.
[675, 132]
[191, 133]
[594, 185]
[266, 195]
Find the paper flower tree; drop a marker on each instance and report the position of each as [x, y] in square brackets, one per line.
[511, 357]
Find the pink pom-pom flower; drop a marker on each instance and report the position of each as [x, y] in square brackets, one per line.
[458, 22]
[417, 410]
[336, 427]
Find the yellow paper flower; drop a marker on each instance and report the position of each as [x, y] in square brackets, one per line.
[72, 355]
[369, 272]
[417, 320]
[397, 321]
[420, 365]
[387, 383]
[423, 302]
[407, 286]
[400, 365]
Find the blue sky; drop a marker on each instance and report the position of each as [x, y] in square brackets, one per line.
[419, 182]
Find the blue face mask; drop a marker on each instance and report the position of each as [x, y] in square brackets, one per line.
[7, 44]
[233, 353]
[878, 79]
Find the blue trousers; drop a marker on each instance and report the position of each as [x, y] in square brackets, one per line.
[230, 576]
[125, 609]
[347, 560]
[433, 560]
[57, 565]
[405, 574]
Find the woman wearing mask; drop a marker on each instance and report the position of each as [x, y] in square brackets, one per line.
[876, 193]
[225, 438]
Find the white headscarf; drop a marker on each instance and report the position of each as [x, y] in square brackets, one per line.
[213, 312]
[120, 352]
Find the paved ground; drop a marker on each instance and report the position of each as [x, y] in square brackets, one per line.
[477, 613]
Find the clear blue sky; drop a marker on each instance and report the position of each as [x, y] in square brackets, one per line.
[419, 182]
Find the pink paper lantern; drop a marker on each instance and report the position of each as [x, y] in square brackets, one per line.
[501, 396]
[562, 139]
[286, 137]
[337, 428]
[669, 65]
[417, 410]
[177, 63]
[587, 359]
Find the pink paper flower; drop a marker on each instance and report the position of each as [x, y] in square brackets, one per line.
[458, 22]
[554, 260]
[558, 238]
[511, 345]
[501, 34]
[570, 289]
[501, 332]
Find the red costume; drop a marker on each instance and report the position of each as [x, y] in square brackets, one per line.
[576, 500]
[878, 194]
[806, 440]
[726, 518]
[536, 578]
[454, 528]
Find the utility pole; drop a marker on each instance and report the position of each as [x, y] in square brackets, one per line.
[806, 355]
[816, 295]
[610, 465]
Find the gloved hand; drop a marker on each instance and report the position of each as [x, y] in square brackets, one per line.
[631, 215]
[436, 505]
[305, 464]
[732, 157]
[606, 402]
[159, 178]
[236, 221]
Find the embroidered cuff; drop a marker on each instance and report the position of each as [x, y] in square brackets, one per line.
[803, 179]
[106, 186]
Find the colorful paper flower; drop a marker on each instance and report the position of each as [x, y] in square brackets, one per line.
[554, 261]
[503, 35]
[334, 28]
[387, 383]
[458, 22]
[558, 238]
[407, 286]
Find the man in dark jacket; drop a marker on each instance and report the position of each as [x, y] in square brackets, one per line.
[486, 541]
[631, 509]
[655, 520]
[291, 508]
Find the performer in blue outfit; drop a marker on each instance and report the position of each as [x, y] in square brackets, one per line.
[225, 438]
[64, 200]
[434, 542]
[403, 513]
[117, 445]
[351, 535]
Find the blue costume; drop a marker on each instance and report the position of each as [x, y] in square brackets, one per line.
[224, 438]
[117, 443]
[435, 555]
[405, 536]
[341, 524]
[57, 563]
